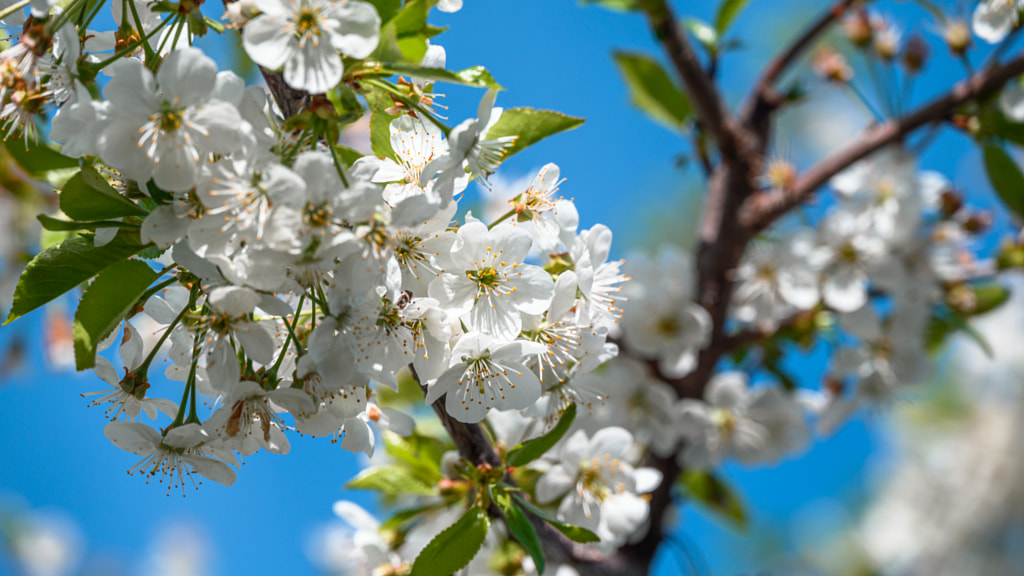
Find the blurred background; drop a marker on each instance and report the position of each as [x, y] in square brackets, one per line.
[934, 481]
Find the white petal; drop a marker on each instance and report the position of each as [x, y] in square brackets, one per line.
[133, 437]
[556, 482]
[359, 31]
[215, 470]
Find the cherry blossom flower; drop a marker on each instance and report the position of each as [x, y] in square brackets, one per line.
[489, 284]
[175, 456]
[600, 485]
[305, 36]
[486, 374]
[166, 125]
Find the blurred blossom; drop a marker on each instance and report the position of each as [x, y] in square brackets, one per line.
[179, 549]
[954, 503]
[41, 543]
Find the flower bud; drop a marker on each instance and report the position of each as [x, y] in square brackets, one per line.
[950, 202]
[857, 27]
[781, 174]
[832, 66]
[915, 54]
[978, 222]
[1011, 255]
[240, 12]
[887, 42]
[961, 298]
[957, 36]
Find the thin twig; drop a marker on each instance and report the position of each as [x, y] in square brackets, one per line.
[778, 66]
[762, 210]
[704, 96]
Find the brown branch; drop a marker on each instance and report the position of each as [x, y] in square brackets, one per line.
[763, 209]
[711, 111]
[762, 96]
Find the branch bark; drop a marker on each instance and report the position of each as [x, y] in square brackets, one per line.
[714, 118]
[763, 209]
[762, 98]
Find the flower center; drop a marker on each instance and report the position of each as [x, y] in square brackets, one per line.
[171, 119]
[307, 23]
[668, 326]
[486, 277]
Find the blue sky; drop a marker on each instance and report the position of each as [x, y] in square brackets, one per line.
[620, 169]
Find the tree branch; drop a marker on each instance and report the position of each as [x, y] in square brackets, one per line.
[714, 118]
[763, 209]
[762, 96]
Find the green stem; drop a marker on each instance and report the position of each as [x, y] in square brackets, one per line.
[138, 26]
[290, 338]
[144, 41]
[149, 293]
[323, 299]
[292, 335]
[92, 16]
[504, 217]
[144, 367]
[337, 165]
[193, 418]
[189, 385]
[13, 8]
[56, 24]
[298, 146]
[394, 91]
[163, 43]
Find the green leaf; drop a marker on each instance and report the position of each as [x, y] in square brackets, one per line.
[38, 159]
[727, 12]
[1006, 178]
[532, 449]
[617, 5]
[710, 491]
[87, 197]
[574, 533]
[988, 297]
[392, 481]
[380, 127]
[386, 9]
[652, 90]
[60, 268]
[531, 126]
[56, 224]
[945, 324]
[412, 18]
[348, 155]
[107, 300]
[453, 548]
[420, 453]
[703, 33]
[520, 527]
[400, 519]
[476, 76]
[413, 47]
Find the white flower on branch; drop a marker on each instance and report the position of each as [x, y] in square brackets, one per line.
[733, 421]
[661, 319]
[166, 126]
[305, 36]
[488, 285]
[486, 374]
[994, 19]
[174, 457]
[601, 487]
